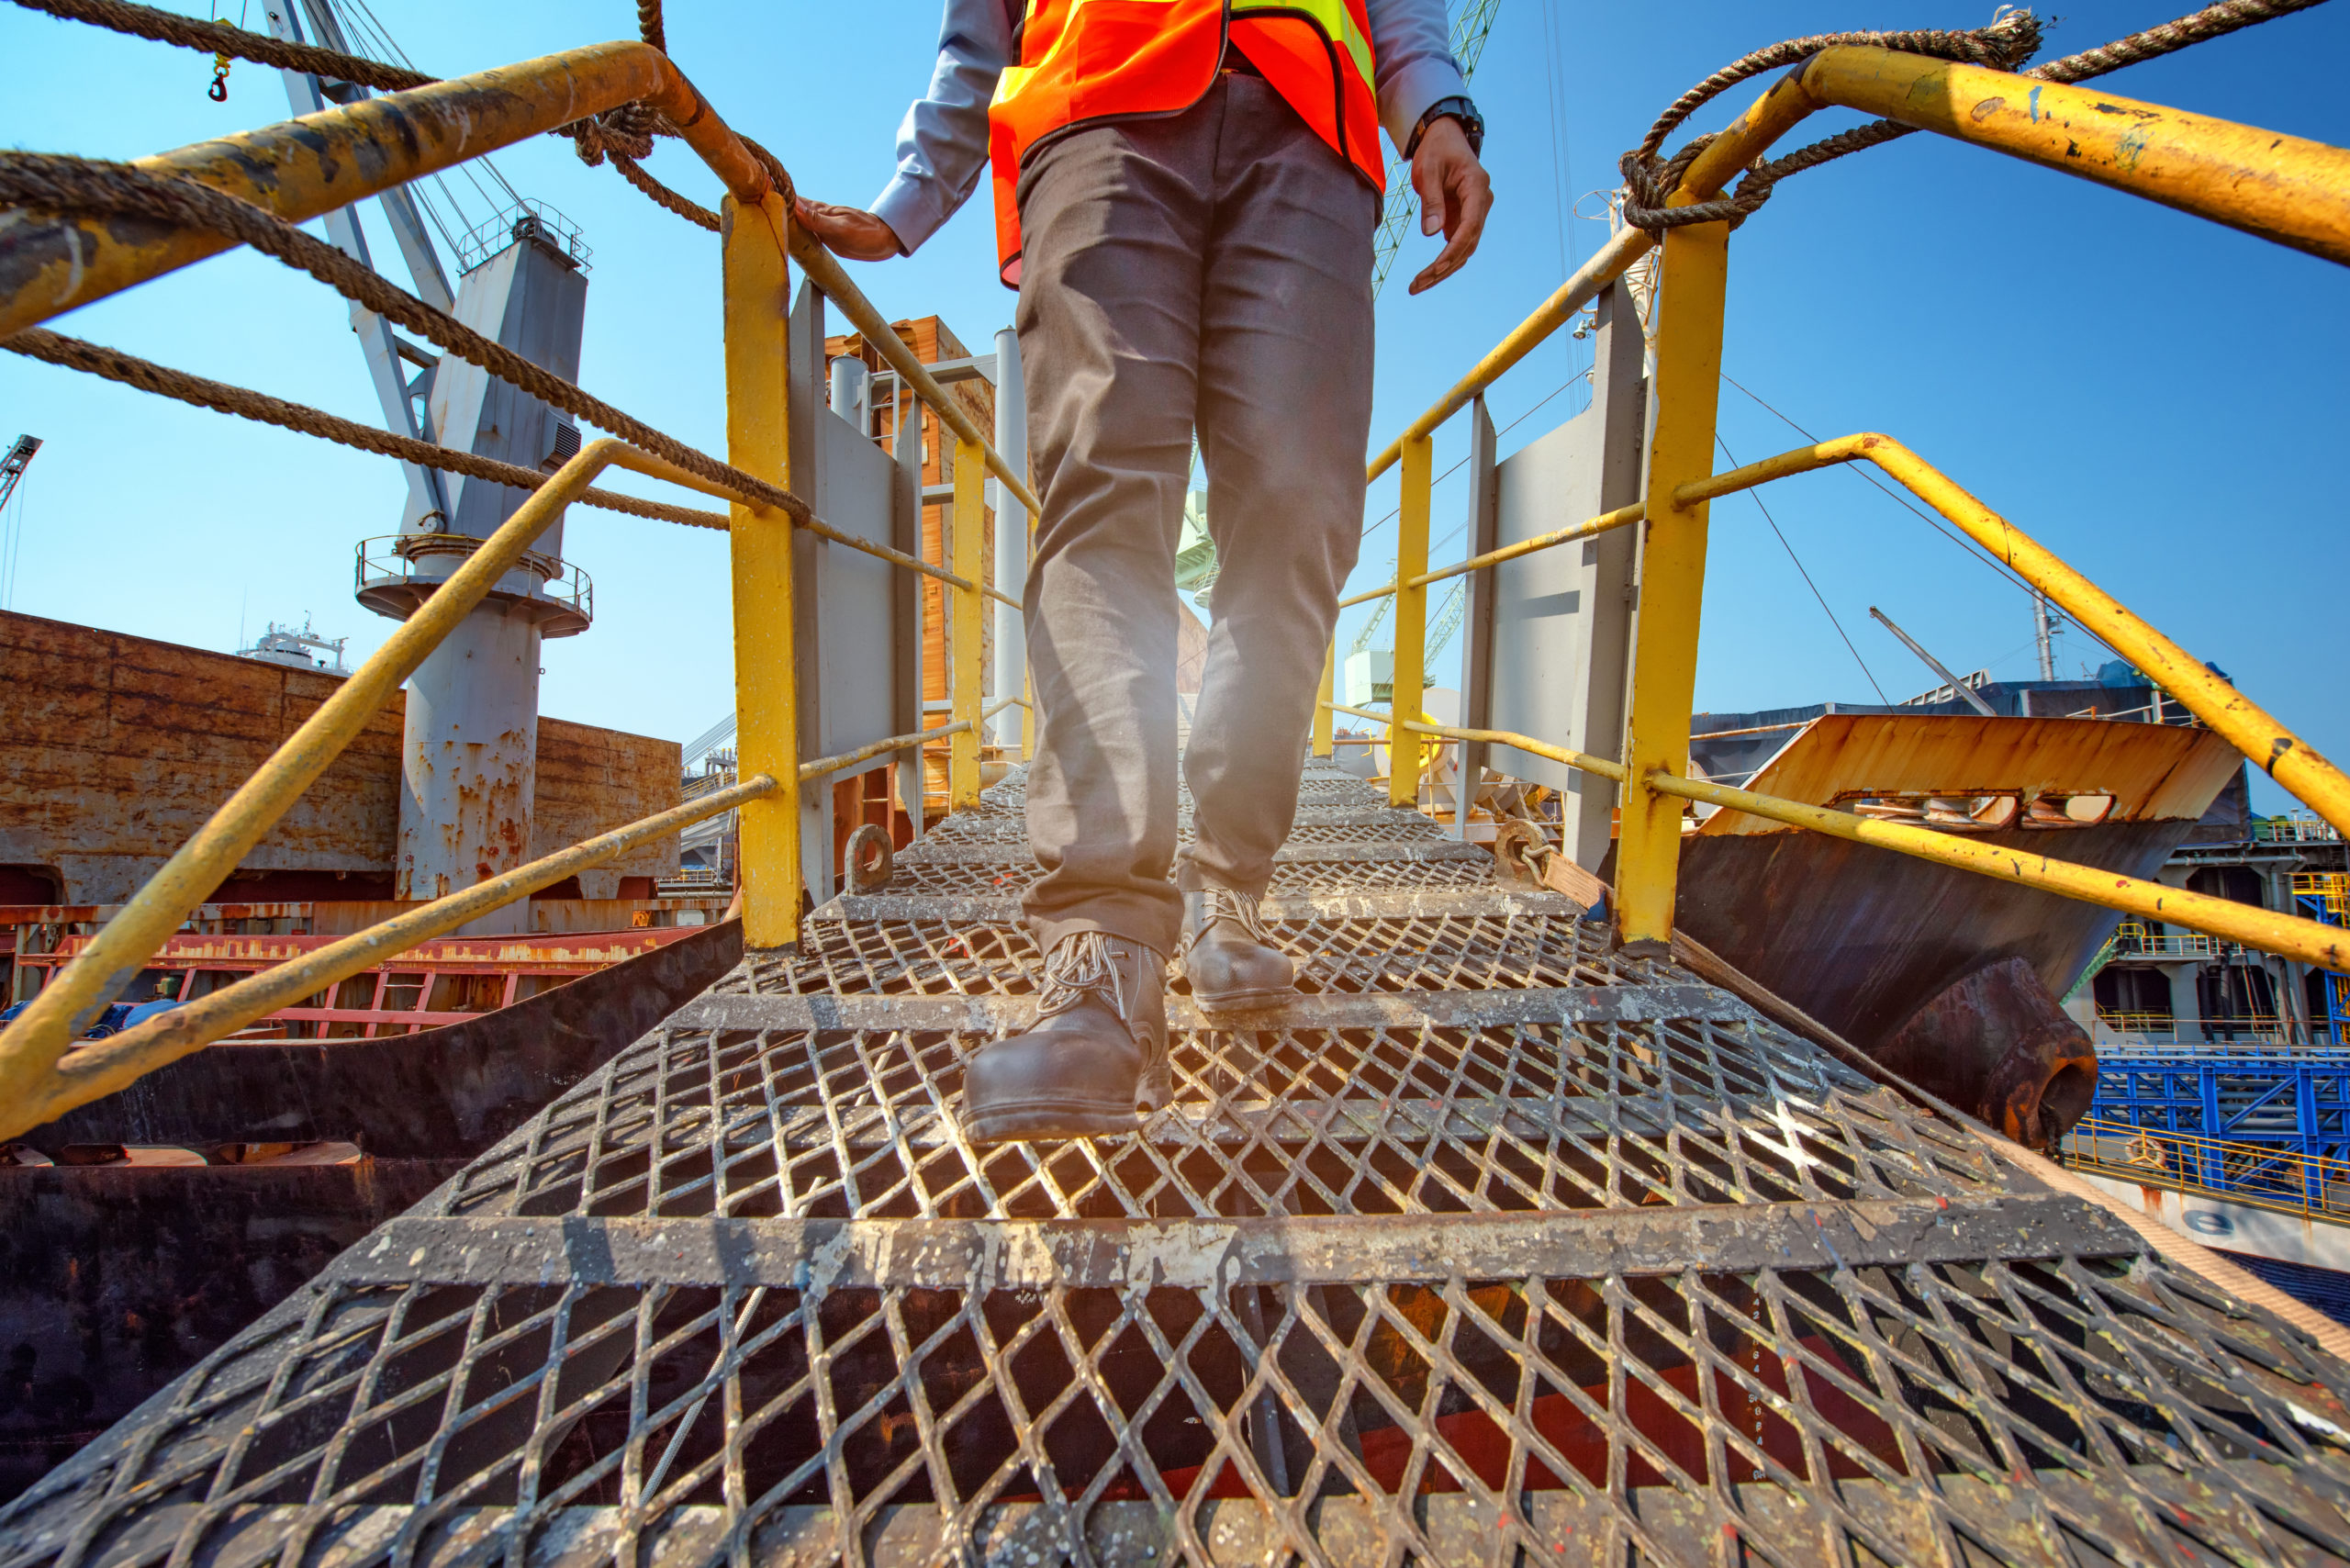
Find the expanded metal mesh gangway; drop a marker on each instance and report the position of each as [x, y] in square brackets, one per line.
[1494, 1247]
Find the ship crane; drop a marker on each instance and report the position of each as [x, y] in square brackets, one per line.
[13, 466]
[12, 470]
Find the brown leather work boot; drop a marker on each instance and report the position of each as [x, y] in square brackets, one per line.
[1096, 1056]
[1230, 961]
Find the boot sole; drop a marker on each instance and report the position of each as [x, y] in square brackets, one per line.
[1245, 1001]
[1043, 1122]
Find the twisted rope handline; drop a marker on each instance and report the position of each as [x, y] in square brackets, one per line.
[74, 353]
[649, 25]
[662, 195]
[60, 183]
[220, 38]
[1650, 188]
[2211, 22]
[2005, 44]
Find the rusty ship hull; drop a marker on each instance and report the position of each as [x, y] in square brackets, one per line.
[1861, 938]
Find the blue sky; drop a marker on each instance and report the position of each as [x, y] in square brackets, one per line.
[2159, 400]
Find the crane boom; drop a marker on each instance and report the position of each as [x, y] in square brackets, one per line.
[1470, 27]
[13, 466]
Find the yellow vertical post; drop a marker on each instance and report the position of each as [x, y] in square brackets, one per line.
[1028, 725]
[963, 622]
[767, 707]
[1323, 717]
[1673, 578]
[1411, 625]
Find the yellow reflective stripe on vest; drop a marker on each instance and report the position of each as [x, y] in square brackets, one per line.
[1332, 17]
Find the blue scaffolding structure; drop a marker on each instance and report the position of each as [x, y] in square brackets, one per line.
[2324, 896]
[2281, 1112]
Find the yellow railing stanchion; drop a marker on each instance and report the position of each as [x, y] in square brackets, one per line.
[1028, 707]
[1672, 576]
[1321, 717]
[766, 703]
[964, 610]
[1411, 624]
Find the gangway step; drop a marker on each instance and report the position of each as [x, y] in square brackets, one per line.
[1495, 1248]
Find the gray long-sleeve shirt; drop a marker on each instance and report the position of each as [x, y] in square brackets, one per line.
[943, 145]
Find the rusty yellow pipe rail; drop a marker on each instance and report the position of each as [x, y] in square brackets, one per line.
[1605, 523]
[99, 1068]
[2270, 745]
[2290, 936]
[303, 168]
[1622, 517]
[52, 1020]
[2283, 188]
[811, 771]
[300, 169]
[1583, 760]
[1606, 264]
[825, 271]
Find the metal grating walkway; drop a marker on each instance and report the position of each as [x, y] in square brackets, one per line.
[1494, 1248]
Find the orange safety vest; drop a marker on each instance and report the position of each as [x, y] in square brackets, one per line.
[1082, 60]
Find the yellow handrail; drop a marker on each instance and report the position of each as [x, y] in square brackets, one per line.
[77, 1077]
[2280, 188]
[66, 1007]
[1622, 517]
[303, 168]
[1583, 760]
[2286, 757]
[2327, 946]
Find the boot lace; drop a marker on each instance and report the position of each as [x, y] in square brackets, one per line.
[1083, 966]
[1222, 903]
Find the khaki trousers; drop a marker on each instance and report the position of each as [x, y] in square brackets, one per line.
[1209, 269]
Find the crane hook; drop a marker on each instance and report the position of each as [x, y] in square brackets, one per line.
[218, 90]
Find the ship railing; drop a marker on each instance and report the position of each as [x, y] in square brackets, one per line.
[2283, 188]
[2286, 1179]
[2295, 829]
[57, 259]
[2135, 940]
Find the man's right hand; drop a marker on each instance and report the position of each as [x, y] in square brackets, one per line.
[849, 231]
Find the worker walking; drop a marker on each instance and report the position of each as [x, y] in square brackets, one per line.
[1185, 196]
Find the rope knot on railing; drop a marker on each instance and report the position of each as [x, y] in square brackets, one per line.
[624, 132]
[2012, 38]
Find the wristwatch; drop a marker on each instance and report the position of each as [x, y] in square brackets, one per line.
[1472, 124]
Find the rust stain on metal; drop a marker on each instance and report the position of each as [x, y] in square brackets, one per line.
[114, 749]
[1999, 1045]
[2155, 772]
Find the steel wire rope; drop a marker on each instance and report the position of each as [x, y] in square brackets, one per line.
[1804, 573]
[1998, 568]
